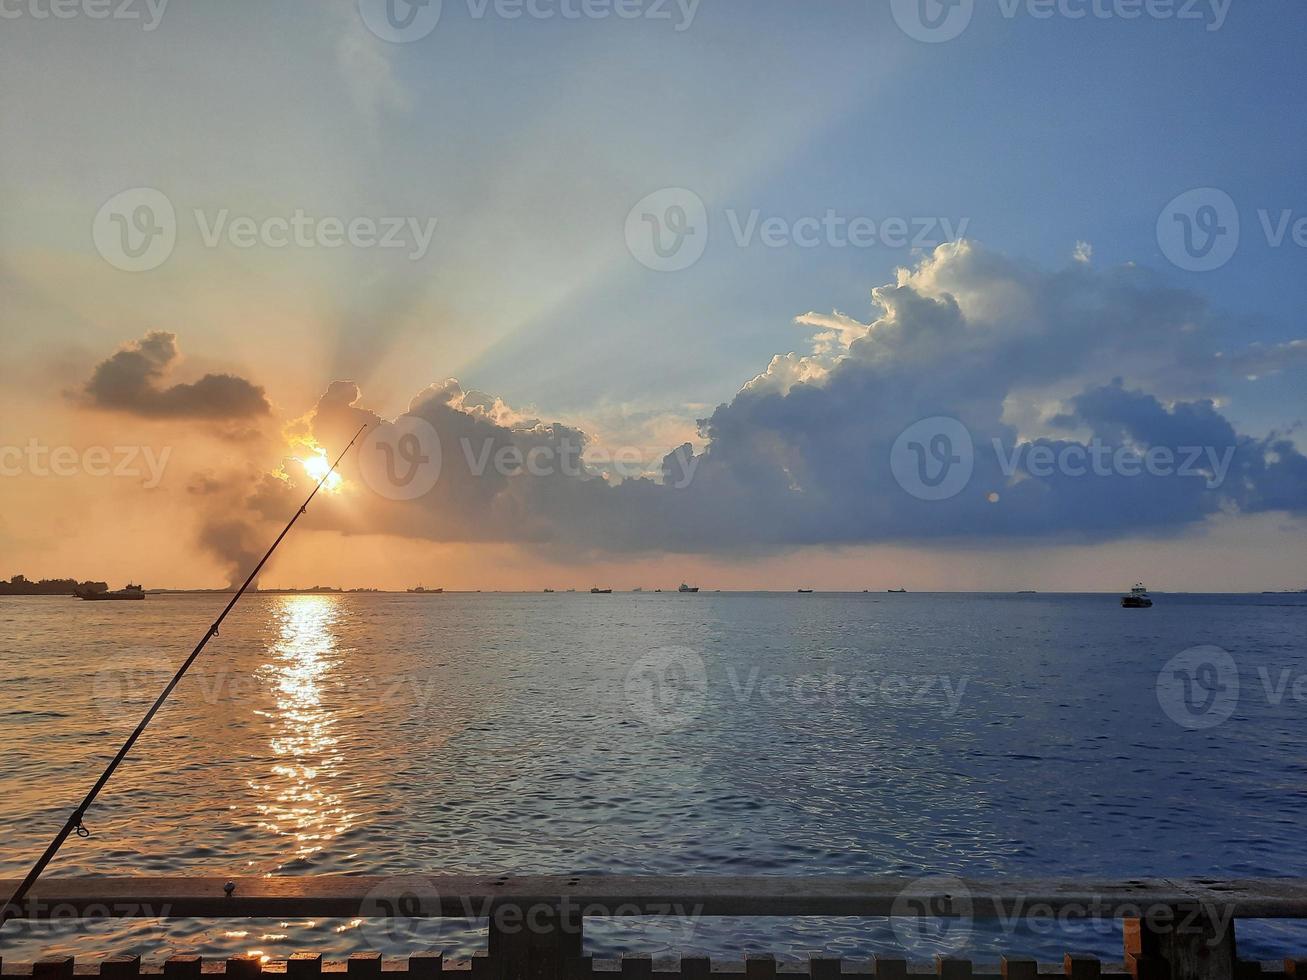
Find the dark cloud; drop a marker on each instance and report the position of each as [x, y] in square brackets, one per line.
[131, 381]
[1258, 360]
[474, 499]
[1036, 365]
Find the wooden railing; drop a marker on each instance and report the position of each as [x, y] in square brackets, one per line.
[1171, 930]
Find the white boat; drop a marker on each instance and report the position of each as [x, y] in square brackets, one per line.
[1137, 599]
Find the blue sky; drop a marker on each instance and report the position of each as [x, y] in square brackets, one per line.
[1043, 133]
[529, 140]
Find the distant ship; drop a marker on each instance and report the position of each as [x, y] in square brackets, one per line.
[805, 592]
[1137, 599]
[897, 591]
[131, 592]
[549, 591]
[638, 588]
[421, 591]
[688, 588]
[599, 591]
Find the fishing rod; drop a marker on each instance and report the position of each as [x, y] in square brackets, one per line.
[12, 907]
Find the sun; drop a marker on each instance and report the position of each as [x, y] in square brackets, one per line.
[319, 466]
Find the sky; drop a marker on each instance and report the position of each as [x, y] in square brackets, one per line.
[999, 294]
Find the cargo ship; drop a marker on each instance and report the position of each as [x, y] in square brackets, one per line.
[131, 592]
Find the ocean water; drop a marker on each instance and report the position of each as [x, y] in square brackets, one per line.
[920, 735]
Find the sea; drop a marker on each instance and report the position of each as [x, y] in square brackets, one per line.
[929, 736]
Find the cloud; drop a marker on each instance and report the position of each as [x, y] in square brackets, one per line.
[1259, 360]
[369, 75]
[801, 455]
[365, 67]
[130, 381]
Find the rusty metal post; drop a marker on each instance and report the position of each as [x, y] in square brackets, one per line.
[1191, 944]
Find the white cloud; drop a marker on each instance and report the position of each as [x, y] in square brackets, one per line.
[367, 70]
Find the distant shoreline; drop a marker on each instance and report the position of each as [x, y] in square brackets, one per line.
[585, 593]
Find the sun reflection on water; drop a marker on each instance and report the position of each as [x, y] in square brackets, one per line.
[301, 802]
